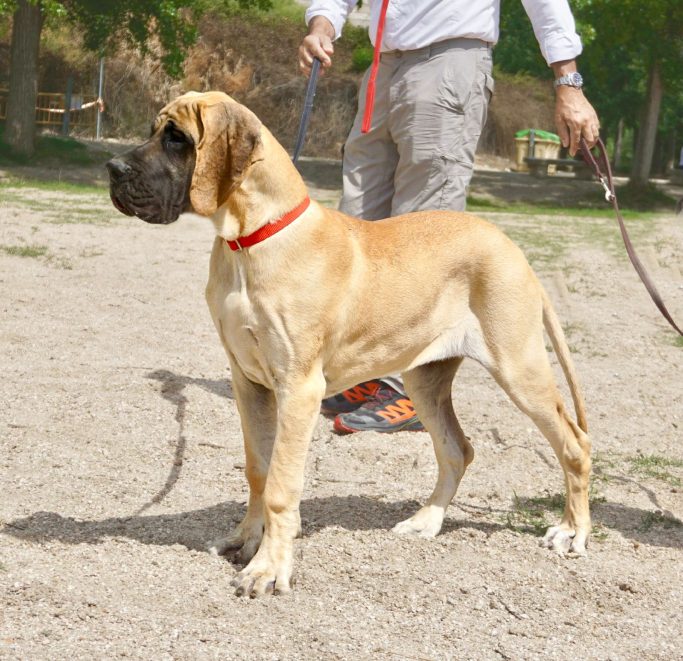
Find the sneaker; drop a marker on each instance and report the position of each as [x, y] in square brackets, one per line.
[388, 411]
[350, 399]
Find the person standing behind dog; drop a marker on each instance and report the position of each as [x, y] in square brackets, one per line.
[412, 147]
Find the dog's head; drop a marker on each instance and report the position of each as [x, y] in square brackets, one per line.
[200, 149]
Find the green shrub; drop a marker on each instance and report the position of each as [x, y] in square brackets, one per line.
[361, 58]
[53, 149]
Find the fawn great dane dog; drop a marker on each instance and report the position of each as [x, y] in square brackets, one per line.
[305, 313]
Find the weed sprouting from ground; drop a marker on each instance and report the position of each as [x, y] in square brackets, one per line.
[657, 467]
[659, 519]
[7, 186]
[530, 515]
[25, 251]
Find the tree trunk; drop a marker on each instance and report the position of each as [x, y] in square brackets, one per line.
[671, 160]
[618, 145]
[642, 159]
[20, 126]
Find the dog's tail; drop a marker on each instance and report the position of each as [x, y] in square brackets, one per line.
[559, 342]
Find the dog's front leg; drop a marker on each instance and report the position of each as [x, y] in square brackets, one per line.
[298, 405]
[258, 414]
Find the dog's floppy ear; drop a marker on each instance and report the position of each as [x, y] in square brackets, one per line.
[230, 142]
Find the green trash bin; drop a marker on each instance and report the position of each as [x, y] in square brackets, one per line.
[535, 143]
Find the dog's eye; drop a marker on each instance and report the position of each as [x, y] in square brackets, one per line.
[175, 137]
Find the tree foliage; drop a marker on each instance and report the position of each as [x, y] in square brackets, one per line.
[164, 27]
[622, 41]
[168, 24]
[630, 36]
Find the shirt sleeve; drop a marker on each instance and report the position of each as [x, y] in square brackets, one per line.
[554, 28]
[335, 11]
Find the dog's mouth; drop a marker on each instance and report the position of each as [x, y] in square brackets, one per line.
[154, 215]
[120, 205]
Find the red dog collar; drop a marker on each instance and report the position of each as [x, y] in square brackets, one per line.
[262, 233]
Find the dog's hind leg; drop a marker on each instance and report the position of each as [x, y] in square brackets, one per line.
[258, 414]
[429, 386]
[524, 372]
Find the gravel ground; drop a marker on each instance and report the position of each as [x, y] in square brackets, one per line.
[120, 458]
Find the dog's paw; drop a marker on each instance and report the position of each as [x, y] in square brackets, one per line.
[565, 541]
[263, 576]
[424, 523]
[242, 543]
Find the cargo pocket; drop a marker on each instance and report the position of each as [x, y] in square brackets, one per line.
[447, 183]
[490, 86]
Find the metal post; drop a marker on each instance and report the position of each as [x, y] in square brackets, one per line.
[67, 105]
[99, 96]
[532, 143]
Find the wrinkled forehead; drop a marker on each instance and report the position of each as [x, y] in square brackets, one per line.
[183, 112]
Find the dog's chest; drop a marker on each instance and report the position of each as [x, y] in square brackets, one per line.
[240, 327]
[241, 334]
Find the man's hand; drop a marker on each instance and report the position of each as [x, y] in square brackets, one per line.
[318, 43]
[575, 117]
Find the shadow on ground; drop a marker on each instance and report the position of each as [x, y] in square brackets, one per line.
[172, 387]
[194, 529]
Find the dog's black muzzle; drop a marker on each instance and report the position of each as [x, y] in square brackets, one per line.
[147, 183]
[118, 171]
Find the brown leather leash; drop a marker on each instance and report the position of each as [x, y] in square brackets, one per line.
[602, 170]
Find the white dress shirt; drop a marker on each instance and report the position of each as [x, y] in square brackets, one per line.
[412, 24]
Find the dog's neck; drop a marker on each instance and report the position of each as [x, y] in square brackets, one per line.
[271, 188]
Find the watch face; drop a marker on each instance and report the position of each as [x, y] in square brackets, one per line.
[577, 79]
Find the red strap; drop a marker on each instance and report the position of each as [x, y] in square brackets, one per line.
[262, 233]
[370, 92]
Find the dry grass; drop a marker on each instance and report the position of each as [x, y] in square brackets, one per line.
[253, 58]
[519, 102]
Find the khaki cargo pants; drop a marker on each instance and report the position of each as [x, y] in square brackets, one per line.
[430, 108]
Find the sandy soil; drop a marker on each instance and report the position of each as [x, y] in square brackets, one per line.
[120, 457]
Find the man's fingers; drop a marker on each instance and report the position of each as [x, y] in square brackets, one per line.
[575, 117]
[304, 68]
[326, 45]
[563, 131]
[591, 134]
[574, 139]
[319, 47]
[315, 46]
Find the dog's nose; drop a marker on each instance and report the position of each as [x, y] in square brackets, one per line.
[118, 168]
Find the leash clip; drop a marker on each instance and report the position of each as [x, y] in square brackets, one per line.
[609, 195]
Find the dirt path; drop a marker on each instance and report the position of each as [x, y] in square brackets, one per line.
[120, 457]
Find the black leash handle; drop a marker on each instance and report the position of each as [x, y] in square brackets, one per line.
[308, 106]
[597, 165]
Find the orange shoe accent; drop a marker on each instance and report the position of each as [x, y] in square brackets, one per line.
[361, 392]
[402, 410]
[341, 428]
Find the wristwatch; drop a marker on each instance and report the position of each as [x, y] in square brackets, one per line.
[574, 79]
